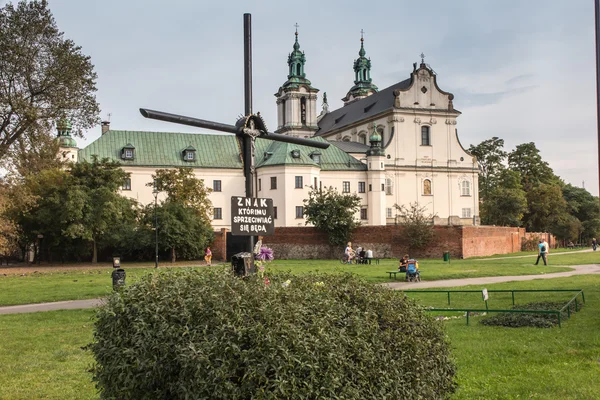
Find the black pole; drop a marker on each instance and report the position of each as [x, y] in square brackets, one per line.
[155, 231]
[247, 140]
[597, 14]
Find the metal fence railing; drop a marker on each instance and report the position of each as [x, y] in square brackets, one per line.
[468, 311]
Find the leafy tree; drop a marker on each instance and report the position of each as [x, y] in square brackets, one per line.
[92, 201]
[9, 232]
[333, 213]
[183, 187]
[506, 203]
[585, 207]
[526, 159]
[546, 208]
[490, 157]
[43, 77]
[418, 225]
[567, 228]
[181, 230]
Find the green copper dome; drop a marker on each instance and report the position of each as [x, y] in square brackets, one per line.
[63, 128]
[67, 141]
[375, 139]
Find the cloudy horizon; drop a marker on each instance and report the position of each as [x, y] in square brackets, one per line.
[522, 71]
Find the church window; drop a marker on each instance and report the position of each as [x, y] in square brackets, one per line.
[427, 187]
[283, 112]
[425, 136]
[381, 133]
[346, 139]
[216, 186]
[363, 213]
[298, 182]
[217, 213]
[389, 188]
[259, 185]
[297, 69]
[189, 156]
[466, 213]
[345, 187]
[303, 110]
[273, 182]
[126, 184]
[465, 188]
[274, 212]
[362, 138]
[361, 187]
[388, 212]
[299, 212]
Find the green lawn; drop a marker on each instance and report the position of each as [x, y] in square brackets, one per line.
[81, 284]
[40, 356]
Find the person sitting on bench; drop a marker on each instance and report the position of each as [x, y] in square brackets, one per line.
[403, 263]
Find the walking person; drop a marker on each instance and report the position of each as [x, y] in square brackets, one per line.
[594, 244]
[542, 252]
[208, 257]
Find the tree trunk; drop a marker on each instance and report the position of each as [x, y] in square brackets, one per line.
[173, 254]
[95, 253]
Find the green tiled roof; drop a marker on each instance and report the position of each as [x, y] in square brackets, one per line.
[164, 149]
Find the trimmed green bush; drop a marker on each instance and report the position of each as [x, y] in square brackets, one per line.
[517, 320]
[204, 334]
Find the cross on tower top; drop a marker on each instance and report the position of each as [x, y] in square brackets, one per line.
[296, 25]
[422, 58]
[362, 35]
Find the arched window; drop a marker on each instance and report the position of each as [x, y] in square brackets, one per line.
[346, 139]
[303, 110]
[381, 132]
[425, 136]
[465, 188]
[362, 138]
[427, 187]
[297, 69]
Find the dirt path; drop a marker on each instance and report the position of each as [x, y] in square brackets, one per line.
[535, 255]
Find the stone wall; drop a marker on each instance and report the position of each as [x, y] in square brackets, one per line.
[389, 241]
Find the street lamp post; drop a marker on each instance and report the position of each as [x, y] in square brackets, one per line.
[155, 193]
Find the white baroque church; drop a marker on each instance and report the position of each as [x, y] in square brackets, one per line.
[397, 145]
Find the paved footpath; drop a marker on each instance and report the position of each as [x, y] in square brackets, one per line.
[577, 270]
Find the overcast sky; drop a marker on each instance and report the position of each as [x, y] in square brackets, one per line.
[520, 70]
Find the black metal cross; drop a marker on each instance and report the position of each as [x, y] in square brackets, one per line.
[247, 128]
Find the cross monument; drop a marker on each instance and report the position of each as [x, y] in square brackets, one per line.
[248, 128]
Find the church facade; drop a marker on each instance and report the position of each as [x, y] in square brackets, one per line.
[394, 146]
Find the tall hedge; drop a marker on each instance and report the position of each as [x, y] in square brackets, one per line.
[210, 335]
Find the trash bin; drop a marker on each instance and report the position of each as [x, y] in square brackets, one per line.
[118, 278]
[447, 256]
[242, 264]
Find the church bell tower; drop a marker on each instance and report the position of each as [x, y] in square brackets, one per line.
[297, 99]
[363, 84]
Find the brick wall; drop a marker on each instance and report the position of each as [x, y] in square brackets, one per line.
[490, 240]
[219, 245]
[390, 242]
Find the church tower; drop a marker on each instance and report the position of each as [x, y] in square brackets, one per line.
[363, 85]
[297, 99]
[67, 150]
[376, 180]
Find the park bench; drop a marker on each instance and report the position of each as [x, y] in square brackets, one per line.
[394, 273]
